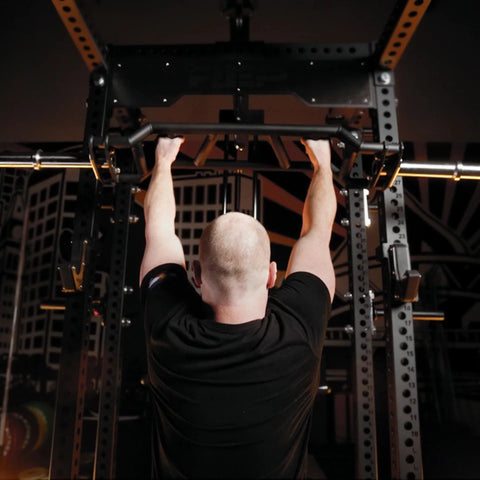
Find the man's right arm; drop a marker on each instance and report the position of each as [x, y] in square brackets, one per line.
[162, 245]
[311, 252]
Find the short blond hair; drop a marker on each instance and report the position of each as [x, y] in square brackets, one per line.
[235, 254]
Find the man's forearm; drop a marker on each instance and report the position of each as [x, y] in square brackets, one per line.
[159, 207]
[320, 204]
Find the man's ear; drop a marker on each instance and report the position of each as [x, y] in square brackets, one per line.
[272, 274]
[197, 272]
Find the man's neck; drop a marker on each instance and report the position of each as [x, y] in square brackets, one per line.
[241, 312]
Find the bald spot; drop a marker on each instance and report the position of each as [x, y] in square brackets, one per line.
[235, 254]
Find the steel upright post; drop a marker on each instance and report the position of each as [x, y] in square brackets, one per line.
[72, 375]
[107, 431]
[71, 384]
[404, 429]
[363, 328]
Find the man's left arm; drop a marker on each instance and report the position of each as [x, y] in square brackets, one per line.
[311, 252]
[162, 245]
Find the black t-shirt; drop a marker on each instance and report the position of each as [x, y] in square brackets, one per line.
[232, 401]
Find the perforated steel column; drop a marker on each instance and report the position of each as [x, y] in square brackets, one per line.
[406, 457]
[71, 383]
[105, 454]
[365, 430]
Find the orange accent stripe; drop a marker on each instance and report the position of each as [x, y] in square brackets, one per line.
[281, 239]
[273, 192]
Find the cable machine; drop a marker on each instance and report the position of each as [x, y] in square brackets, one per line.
[353, 77]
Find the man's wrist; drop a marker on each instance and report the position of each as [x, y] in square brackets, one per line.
[163, 166]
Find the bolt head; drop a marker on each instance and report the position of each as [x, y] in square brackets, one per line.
[385, 78]
[99, 81]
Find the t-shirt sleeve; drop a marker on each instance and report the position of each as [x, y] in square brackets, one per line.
[305, 297]
[165, 291]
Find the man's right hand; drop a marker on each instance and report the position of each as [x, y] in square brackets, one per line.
[167, 150]
[318, 152]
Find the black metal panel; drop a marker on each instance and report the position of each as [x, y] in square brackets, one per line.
[363, 329]
[105, 454]
[405, 447]
[320, 74]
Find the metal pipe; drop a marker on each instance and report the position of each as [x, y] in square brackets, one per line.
[456, 171]
[418, 315]
[41, 160]
[15, 321]
[255, 196]
[231, 128]
[44, 165]
[220, 165]
[225, 191]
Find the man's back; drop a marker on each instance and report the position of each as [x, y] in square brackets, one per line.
[232, 401]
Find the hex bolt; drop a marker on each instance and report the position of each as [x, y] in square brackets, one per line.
[341, 144]
[133, 218]
[125, 322]
[99, 81]
[384, 78]
[344, 222]
[348, 296]
[348, 329]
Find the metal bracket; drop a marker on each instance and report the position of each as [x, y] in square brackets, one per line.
[71, 278]
[102, 158]
[385, 168]
[405, 281]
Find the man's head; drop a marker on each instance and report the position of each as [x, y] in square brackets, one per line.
[234, 257]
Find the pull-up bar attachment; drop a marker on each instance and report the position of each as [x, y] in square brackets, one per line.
[306, 131]
[273, 133]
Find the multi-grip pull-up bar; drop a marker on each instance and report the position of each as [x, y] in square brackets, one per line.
[350, 138]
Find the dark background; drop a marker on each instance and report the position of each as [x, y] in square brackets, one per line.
[44, 84]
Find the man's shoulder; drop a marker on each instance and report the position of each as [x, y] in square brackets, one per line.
[303, 292]
[163, 273]
[300, 280]
[166, 277]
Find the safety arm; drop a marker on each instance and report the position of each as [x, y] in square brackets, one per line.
[162, 244]
[311, 253]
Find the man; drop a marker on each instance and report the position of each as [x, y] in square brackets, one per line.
[234, 372]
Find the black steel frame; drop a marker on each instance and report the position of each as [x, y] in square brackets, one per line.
[343, 76]
[363, 325]
[374, 94]
[405, 446]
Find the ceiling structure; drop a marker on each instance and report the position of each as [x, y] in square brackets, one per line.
[45, 81]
